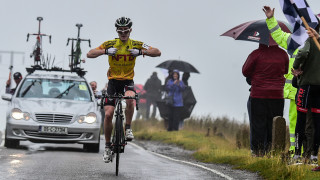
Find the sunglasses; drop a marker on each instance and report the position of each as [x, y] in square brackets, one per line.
[123, 31]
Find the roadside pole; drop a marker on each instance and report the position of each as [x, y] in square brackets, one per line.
[3, 109]
[12, 53]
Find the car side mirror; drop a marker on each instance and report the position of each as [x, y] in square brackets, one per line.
[6, 97]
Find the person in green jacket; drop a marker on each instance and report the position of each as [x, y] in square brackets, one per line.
[306, 67]
[283, 39]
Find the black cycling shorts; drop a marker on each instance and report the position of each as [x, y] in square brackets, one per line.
[308, 96]
[118, 87]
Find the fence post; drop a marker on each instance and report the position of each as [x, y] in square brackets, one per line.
[208, 132]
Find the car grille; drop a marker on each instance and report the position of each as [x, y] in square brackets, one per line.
[53, 118]
[59, 136]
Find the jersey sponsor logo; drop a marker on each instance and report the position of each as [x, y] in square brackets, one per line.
[123, 57]
[145, 46]
[300, 95]
[109, 44]
[136, 43]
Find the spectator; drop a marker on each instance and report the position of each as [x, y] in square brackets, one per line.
[153, 94]
[141, 113]
[265, 67]
[306, 68]
[185, 78]
[168, 77]
[96, 93]
[249, 112]
[283, 39]
[175, 87]
[17, 77]
[93, 85]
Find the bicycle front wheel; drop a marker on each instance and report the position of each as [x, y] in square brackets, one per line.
[118, 144]
[117, 160]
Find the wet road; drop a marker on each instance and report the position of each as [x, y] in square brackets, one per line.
[59, 161]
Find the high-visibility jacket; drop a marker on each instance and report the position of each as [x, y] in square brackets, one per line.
[282, 39]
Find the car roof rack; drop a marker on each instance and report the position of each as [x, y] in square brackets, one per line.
[45, 64]
[80, 72]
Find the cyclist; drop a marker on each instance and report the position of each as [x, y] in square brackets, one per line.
[122, 53]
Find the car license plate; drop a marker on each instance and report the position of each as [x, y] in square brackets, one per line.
[53, 130]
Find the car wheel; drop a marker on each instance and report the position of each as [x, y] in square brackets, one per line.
[92, 147]
[11, 143]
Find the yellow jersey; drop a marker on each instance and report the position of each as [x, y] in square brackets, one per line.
[121, 65]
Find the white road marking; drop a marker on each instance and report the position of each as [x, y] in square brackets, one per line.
[186, 162]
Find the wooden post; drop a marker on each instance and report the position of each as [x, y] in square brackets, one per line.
[208, 132]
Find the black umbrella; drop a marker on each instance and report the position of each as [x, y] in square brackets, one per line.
[189, 101]
[255, 31]
[178, 65]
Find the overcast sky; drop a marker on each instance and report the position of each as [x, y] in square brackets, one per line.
[186, 30]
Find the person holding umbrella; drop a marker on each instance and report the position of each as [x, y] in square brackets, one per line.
[175, 87]
[265, 67]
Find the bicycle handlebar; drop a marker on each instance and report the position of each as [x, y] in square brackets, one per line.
[104, 96]
[78, 39]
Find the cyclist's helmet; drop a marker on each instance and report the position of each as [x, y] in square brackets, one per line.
[123, 22]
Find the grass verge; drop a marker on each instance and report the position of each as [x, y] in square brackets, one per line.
[217, 149]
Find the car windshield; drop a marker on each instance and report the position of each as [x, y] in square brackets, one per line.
[55, 88]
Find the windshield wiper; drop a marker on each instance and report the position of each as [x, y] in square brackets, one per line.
[66, 91]
[28, 88]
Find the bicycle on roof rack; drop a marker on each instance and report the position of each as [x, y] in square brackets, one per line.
[118, 141]
[37, 50]
[75, 57]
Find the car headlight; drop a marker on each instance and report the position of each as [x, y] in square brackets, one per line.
[18, 114]
[89, 118]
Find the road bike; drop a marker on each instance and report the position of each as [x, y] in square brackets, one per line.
[118, 141]
[75, 59]
[37, 50]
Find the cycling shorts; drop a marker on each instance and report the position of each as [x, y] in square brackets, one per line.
[308, 97]
[118, 87]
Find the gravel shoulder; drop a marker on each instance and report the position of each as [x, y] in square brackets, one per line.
[179, 153]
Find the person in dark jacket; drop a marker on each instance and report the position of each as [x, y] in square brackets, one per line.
[306, 68]
[185, 78]
[153, 93]
[17, 77]
[265, 67]
[175, 87]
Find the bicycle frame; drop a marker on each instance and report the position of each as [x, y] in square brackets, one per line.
[76, 50]
[118, 139]
[37, 50]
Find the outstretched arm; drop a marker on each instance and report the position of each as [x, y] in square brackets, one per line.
[268, 11]
[278, 35]
[93, 53]
[152, 52]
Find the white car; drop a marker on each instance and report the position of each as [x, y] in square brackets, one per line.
[53, 107]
